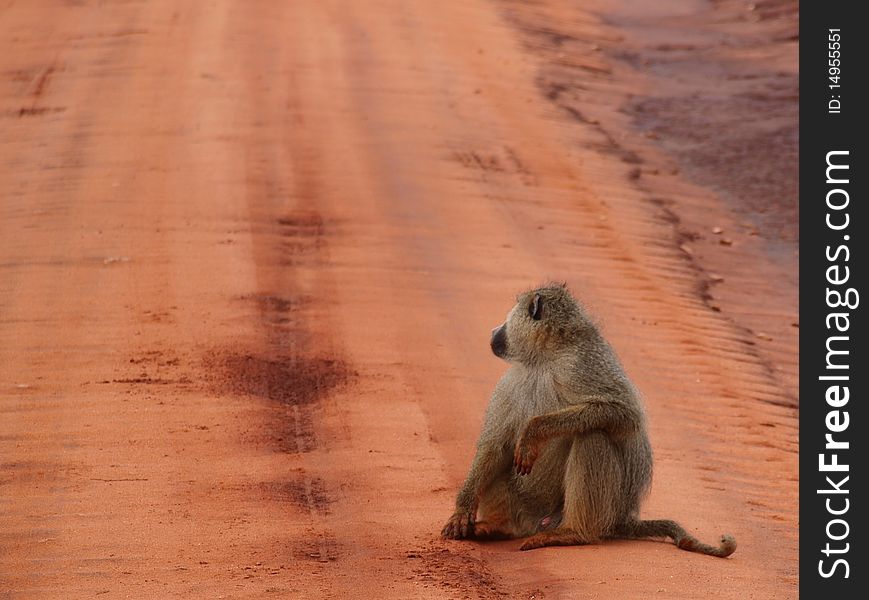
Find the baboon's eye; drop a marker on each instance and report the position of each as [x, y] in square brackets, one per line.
[535, 309]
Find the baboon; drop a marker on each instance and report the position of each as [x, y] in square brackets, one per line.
[564, 457]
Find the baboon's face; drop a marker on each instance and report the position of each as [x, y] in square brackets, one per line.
[515, 339]
[543, 323]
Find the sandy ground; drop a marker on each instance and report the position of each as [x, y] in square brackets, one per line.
[250, 254]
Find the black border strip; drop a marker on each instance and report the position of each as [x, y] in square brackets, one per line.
[833, 261]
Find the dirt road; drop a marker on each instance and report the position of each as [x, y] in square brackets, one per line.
[250, 254]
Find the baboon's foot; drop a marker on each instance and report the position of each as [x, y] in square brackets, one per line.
[488, 530]
[459, 526]
[562, 536]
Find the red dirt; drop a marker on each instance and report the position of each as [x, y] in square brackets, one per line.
[250, 254]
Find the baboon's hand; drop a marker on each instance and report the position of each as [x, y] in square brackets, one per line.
[527, 451]
[459, 526]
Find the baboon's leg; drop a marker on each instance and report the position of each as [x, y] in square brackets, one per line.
[487, 530]
[561, 536]
[592, 483]
[592, 486]
[495, 512]
[557, 537]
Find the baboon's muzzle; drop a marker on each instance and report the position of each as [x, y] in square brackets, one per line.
[499, 341]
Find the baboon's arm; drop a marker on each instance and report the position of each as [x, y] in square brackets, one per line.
[616, 417]
[491, 460]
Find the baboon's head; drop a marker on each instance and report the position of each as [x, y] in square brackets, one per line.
[545, 322]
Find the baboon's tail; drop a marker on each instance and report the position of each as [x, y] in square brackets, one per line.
[637, 529]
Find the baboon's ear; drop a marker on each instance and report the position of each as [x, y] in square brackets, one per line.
[536, 308]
